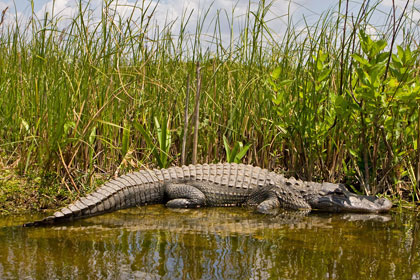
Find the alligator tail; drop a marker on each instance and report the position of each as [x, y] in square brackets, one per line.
[134, 189]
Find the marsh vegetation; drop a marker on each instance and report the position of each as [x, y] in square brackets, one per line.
[336, 100]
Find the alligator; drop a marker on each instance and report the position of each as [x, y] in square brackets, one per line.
[223, 184]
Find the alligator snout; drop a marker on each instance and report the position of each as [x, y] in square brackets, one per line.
[350, 202]
[383, 204]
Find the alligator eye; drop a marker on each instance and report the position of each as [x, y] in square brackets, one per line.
[338, 192]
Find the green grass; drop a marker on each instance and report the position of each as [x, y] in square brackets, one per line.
[320, 103]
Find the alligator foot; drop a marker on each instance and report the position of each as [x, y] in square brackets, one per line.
[268, 205]
[184, 196]
[182, 203]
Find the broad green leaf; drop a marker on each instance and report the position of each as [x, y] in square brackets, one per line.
[324, 74]
[396, 61]
[242, 153]
[276, 73]
[393, 83]
[365, 42]
[92, 136]
[322, 56]
[353, 153]
[272, 84]
[285, 83]
[236, 148]
[319, 65]
[164, 139]
[276, 99]
[401, 54]
[408, 55]
[382, 57]
[340, 104]
[360, 59]
[25, 125]
[227, 149]
[67, 126]
[378, 46]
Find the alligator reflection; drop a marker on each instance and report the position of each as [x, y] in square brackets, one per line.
[215, 243]
[223, 221]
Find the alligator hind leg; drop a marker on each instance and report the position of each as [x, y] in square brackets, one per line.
[266, 201]
[268, 205]
[184, 196]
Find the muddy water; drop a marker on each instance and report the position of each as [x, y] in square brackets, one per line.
[216, 243]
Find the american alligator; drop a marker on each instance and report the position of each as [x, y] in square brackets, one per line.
[227, 184]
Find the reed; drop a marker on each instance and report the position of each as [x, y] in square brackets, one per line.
[322, 102]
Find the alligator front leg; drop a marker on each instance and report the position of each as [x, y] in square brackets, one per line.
[184, 196]
[270, 199]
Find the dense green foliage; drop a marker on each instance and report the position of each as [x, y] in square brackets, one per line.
[328, 102]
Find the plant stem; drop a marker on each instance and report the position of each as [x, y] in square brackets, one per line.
[184, 138]
[197, 113]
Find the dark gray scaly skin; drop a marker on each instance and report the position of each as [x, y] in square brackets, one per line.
[227, 184]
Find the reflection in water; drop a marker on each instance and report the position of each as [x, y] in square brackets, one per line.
[215, 243]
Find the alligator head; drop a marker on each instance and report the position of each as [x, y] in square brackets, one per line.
[336, 198]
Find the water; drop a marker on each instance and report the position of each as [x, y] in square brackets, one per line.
[215, 243]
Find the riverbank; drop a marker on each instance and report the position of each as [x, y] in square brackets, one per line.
[20, 194]
[23, 194]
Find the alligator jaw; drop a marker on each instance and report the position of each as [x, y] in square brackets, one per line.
[352, 203]
[341, 200]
